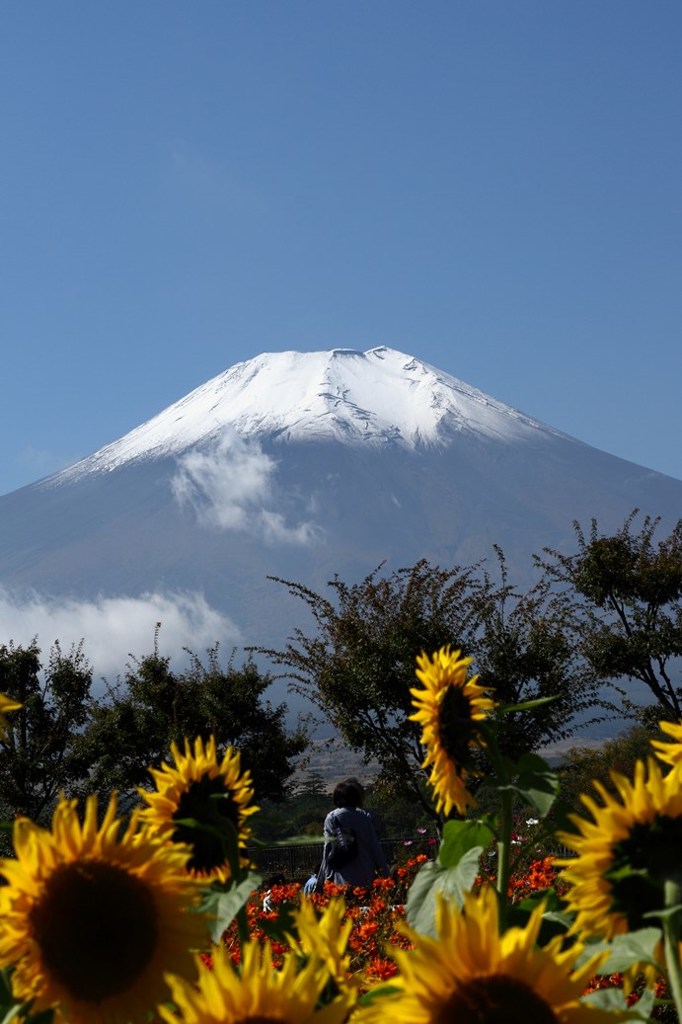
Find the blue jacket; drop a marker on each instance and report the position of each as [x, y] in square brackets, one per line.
[370, 860]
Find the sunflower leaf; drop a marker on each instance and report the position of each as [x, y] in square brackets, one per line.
[13, 1012]
[378, 992]
[536, 783]
[22, 1011]
[613, 1000]
[552, 923]
[224, 906]
[638, 947]
[461, 836]
[526, 705]
[661, 915]
[433, 880]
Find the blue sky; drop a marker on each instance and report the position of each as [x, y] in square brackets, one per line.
[493, 186]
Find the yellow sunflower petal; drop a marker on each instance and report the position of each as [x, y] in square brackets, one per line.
[91, 922]
[325, 937]
[625, 853]
[448, 707]
[471, 973]
[6, 705]
[670, 753]
[255, 992]
[200, 786]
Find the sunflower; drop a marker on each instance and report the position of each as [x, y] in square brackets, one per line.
[325, 937]
[6, 704]
[625, 853]
[255, 992]
[91, 919]
[448, 708]
[670, 753]
[473, 975]
[216, 795]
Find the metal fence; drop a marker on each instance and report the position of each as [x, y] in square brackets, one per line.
[298, 862]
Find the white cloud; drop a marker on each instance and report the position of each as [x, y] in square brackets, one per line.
[224, 485]
[230, 486]
[275, 529]
[115, 627]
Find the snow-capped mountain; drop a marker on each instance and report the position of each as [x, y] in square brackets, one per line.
[296, 465]
[373, 398]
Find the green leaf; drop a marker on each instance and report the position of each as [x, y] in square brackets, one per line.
[536, 783]
[12, 1013]
[461, 836]
[377, 993]
[553, 903]
[613, 1000]
[526, 705]
[625, 951]
[552, 923]
[432, 880]
[224, 906]
[664, 913]
[22, 1011]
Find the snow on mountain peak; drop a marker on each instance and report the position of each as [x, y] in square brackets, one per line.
[377, 397]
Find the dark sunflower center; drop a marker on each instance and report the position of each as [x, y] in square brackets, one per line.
[210, 805]
[494, 999]
[96, 927]
[642, 863]
[455, 727]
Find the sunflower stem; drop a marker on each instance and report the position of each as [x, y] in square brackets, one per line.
[243, 927]
[504, 853]
[671, 933]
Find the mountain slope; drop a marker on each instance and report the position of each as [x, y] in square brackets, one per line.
[302, 465]
[374, 398]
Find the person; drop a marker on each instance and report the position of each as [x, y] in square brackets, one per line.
[376, 820]
[348, 825]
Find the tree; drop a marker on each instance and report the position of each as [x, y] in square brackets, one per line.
[582, 765]
[359, 665]
[626, 591]
[134, 728]
[42, 756]
[525, 651]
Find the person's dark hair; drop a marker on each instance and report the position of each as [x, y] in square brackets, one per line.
[355, 781]
[347, 794]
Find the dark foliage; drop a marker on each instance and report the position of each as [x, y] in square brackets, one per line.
[625, 592]
[42, 755]
[134, 728]
[359, 665]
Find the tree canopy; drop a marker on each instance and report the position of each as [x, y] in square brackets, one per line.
[358, 666]
[626, 592]
[41, 755]
[65, 740]
[155, 706]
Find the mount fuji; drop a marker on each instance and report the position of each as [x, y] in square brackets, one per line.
[301, 466]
